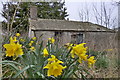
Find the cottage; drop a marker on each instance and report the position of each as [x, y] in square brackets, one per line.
[96, 36]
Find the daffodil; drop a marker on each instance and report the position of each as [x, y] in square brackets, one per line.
[72, 53]
[30, 44]
[52, 40]
[22, 40]
[45, 52]
[91, 61]
[69, 46]
[13, 40]
[79, 49]
[32, 48]
[53, 58]
[82, 57]
[34, 38]
[54, 68]
[31, 41]
[13, 48]
[17, 34]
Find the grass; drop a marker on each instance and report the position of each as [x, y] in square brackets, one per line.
[107, 67]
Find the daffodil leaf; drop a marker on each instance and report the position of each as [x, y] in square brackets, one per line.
[69, 73]
[6, 61]
[21, 71]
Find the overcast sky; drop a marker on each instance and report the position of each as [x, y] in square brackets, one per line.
[74, 7]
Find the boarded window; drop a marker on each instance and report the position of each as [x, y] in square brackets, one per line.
[77, 38]
[58, 36]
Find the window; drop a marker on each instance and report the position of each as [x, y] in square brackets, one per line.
[98, 28]
[58, 36]
[77, 38]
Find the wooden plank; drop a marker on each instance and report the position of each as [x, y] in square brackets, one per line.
[72, 30]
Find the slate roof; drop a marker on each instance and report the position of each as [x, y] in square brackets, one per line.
[65, 25]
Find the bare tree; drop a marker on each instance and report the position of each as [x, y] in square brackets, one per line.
[101, 14]
[84, 13]
[105, 15]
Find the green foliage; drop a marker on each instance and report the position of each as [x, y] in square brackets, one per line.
[46, 10]
[31, 63]
[102, 63]
[20, 20]
[51, 10]
[97, 53]
[117, 61]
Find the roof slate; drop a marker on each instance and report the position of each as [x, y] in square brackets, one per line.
[54, 24]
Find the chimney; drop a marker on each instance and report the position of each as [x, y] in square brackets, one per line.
[33, 12]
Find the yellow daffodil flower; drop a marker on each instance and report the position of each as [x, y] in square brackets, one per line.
[54, 68]
[13, 40]
[32, 48]
[69, 46]
[34, 38]
[91, 61]
[22, 40]
[30, 44]
[72, 53]
[31, 41]
[80, 49]
[45, 52]
[13, 49]
[82, 57]
[52, 59]
[52, 40]
[17, 34]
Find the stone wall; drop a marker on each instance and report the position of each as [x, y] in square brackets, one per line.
[44, 35]
[95, 40]
[101, 40]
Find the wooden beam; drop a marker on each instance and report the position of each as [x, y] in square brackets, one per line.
[72, 30]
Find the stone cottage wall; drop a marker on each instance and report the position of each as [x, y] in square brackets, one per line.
[44, 35]
[99, 41]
